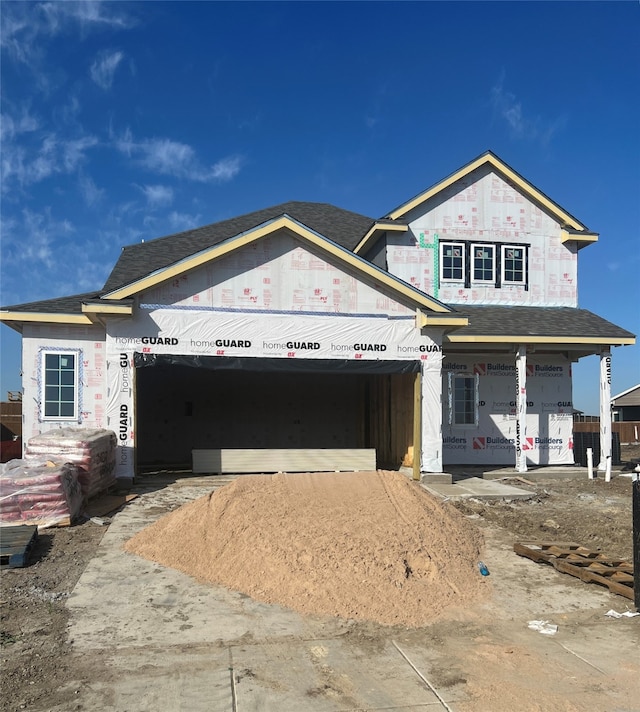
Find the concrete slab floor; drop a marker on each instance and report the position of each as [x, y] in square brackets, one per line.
[480, 489]
[170, 643]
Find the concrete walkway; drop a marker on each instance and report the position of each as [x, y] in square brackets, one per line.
[167, 643]
[478, 488]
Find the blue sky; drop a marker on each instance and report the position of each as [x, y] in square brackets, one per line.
[129, 121]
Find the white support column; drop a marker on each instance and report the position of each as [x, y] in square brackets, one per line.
[605, 412]
[521, 404]
[432, 413]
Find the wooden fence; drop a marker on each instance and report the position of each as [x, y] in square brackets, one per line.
[629, 431]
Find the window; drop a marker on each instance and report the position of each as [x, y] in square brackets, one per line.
[463, 399]
[60, 385]
[513, 265]
[452, 262]
[484, 263]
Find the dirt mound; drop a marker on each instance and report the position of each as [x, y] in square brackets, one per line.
[365, 545]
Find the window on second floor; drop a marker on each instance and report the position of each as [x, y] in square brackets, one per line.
[452, 261]
[484, 263]
[513, 265]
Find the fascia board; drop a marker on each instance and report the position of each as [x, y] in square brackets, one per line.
[374, 230]
[624, 393]
[449, 321]
[44, 317]
[515, 339]
[105, 309]
[527, 188]
[581, 239]
[283, 222]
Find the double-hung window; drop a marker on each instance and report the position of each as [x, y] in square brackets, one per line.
[463, 399]
[59, 381]
[452, 262]
[513, 265]
[483, 268]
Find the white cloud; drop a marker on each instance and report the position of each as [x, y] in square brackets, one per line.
[28, 245]
[12, 126]
[26, 26]
[226, 169]
[24, 166]
[521, 125]
[183, 221]
[90, 191]
[103, 69]
[167, 157]
[157, 195]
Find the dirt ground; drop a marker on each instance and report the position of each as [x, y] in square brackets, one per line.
[36, 657]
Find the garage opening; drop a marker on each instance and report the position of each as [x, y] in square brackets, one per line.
[184, 403]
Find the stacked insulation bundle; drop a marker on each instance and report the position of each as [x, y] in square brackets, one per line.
[93, 451]
[40, 493]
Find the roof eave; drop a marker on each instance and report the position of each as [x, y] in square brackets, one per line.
[562, 216]
[377, 229]
[326, 245]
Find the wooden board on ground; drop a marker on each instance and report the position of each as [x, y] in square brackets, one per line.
[16, 543]
[576, 560]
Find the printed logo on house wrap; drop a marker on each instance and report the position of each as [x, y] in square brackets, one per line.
[493, 443]
[451, 442]
[548, 443]
[453, 366]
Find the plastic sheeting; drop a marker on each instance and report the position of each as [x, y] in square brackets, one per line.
[39, 492]
[276, 365]
[548, 431]
[374, 344]
[92, 451]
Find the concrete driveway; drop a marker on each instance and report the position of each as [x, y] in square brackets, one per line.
[169, 643]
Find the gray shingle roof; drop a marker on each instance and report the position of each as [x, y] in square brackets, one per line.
[60, 305]
[137, 261]
[536, 321]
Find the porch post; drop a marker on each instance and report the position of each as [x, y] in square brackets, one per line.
[605, 412]
[521, 405]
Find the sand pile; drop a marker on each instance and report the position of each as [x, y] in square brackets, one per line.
[365, 545]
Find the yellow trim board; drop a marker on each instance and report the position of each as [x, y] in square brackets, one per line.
[43, 317]
[490, 339]
[434, 320]
[561, 215]
[582, 239]
[123, 309]
[379, 227]
[285, 222]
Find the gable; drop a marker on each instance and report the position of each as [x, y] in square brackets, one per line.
[279, 273]
[365, 270]
[140, 260]
[489, 162]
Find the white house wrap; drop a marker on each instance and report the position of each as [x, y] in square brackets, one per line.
[442, 333]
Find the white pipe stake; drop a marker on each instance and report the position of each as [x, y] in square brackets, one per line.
[590, 462]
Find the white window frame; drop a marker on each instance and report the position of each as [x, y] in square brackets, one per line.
[480, 246]
[503, 255]
[77, 356]
[453, 412]
[461, 247]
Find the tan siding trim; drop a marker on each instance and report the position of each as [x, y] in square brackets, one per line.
[490, 339]
[45, 318]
